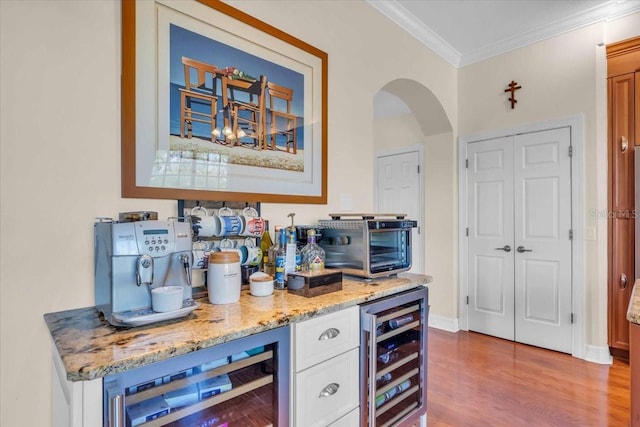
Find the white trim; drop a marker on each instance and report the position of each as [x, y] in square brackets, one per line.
[397, 13]
[576, 125]
[403, 18]
[597, 354]
[449, 324]
[421, 220]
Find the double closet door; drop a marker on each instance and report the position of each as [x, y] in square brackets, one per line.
[519, 217]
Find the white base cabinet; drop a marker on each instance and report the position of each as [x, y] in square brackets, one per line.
[75, 404]
[326, 370]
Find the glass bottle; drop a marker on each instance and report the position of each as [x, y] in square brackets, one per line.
[294, 257]
[280, 258]
[312, 254]
[265, 244]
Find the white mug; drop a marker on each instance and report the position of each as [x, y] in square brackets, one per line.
[208, 226]
[252, 223]
[199, 211]
[251, 254]
[229, 223]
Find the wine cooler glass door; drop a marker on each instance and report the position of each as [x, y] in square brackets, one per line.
[395, 339]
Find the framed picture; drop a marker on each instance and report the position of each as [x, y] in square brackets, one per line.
[218, 105]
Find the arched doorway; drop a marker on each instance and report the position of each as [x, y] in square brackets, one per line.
[408, 118]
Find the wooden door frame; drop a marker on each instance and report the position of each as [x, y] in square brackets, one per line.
[395, 152]
[576, 125]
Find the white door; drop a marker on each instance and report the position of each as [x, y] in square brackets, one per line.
[491, 268]
[519, 191]
[398, 188]
[542, 177]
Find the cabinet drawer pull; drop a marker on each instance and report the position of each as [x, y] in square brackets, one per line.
[624, 144]
[623, 281]
[329, 334]
[329, 390]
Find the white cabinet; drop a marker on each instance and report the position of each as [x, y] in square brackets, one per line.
[325, 381]
[75, 404]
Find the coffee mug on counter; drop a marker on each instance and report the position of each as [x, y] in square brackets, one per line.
[229, 223]
[252, 223]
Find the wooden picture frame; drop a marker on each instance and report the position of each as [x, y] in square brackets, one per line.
[218, 105]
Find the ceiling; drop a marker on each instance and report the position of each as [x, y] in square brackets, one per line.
[468, 31]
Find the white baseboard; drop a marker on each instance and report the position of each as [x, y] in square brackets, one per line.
[449, 324]
[598, 354]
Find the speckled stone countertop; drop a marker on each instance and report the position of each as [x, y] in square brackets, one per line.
[91, 348]
[633, 312]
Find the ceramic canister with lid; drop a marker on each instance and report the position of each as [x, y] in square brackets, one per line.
[223, 277]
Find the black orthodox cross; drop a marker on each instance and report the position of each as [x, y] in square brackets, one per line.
[513, 88]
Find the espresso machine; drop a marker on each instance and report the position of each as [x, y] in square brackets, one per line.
[131, 259]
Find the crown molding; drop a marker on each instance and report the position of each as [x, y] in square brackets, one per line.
[402, 17]
[608, 11]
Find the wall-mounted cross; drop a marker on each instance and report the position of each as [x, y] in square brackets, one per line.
[513, 87]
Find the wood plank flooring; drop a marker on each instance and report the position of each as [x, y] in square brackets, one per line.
[477, 380]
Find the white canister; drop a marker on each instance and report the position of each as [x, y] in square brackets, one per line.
[223, 277]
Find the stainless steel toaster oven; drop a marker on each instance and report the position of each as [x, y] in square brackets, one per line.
[370, 246]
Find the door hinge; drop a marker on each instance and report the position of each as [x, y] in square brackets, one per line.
[466, 163]
[570, 234]
[571, 318]
[467, 299]
[467, 232]
[570, 151]
[418, 168]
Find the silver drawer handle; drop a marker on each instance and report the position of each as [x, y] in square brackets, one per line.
[329, 390]
[329, 334]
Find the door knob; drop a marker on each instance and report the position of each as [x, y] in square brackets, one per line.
[521, 249]
[506, 248]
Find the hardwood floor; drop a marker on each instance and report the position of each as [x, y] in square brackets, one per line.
[477, 380]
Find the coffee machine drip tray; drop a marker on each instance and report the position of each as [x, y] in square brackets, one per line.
[146, 316]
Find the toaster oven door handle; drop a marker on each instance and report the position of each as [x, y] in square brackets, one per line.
[329, 334]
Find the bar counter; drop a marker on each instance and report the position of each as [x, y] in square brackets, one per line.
[91, 348]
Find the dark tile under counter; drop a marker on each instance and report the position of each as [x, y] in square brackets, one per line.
[633, 312]
[91, 348]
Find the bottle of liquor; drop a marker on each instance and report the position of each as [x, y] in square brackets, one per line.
[280, 260]
[294, 259]
[381, 398]
[312, 254]
[265, 244]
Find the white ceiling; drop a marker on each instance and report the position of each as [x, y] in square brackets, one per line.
[468, 31]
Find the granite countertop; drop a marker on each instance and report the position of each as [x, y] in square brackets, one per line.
[633, 312]
[91, 348]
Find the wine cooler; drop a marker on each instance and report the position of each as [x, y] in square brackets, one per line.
[242, 383]
[394, 360]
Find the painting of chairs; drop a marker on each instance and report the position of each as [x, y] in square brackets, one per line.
[198, 100]
[253, 111]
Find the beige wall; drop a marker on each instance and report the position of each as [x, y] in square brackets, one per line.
[560, 77]
[60, 151]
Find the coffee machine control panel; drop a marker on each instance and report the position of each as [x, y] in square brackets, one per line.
[153, 238]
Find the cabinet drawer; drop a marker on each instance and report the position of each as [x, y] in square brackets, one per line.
[324, 337]
[327, 391]
[352, 419]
